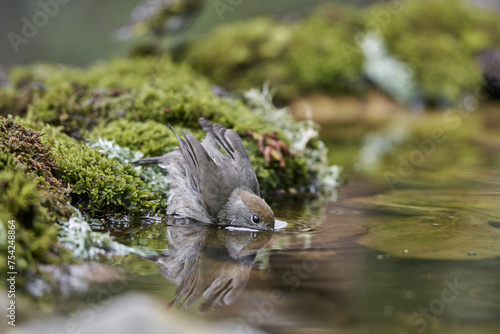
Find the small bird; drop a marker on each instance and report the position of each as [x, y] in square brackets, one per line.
[211, 263]
[210, 186]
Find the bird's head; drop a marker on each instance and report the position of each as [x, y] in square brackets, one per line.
[246, 209]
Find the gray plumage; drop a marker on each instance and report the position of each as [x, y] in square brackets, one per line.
[213, 263]
[211, 186]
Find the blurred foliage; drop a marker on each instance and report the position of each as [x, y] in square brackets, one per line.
[295, 57]
[441, 39]
[160, 17]
[320, 53]
[321, 56]
[246, 53]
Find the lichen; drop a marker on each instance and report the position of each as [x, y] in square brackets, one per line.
[151, 175]
[77, 236]
[320, 57]
[390, 74]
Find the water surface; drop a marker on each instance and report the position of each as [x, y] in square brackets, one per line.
[405, 246]
[376, 260]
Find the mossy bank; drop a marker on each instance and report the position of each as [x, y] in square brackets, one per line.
[53, 116]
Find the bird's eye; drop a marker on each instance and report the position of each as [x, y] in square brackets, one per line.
[255, 219]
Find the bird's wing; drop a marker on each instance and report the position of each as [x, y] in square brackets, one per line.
[237, 155]
[205, 175]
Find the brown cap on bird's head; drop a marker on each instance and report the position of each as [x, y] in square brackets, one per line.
[261, 212]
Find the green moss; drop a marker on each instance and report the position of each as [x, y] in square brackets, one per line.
[25, 195]
[135, 89]
[149, 137]
[321, 56]
[100, 185]
[297, 58]
[13, 102]
[36, 160]
[20, 194]
[242, 51]
[440, 39]
[38, 171]
[152, 175]
[23, 200]
[131, 101]
[184, 105]
[77, 100]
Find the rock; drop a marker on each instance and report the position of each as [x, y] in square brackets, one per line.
[128, 314]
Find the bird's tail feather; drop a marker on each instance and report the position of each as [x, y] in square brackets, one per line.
[147, 161]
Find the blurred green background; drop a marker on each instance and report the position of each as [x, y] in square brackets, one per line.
[84, 31]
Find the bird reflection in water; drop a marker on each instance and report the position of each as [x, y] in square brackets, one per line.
[211, 262]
